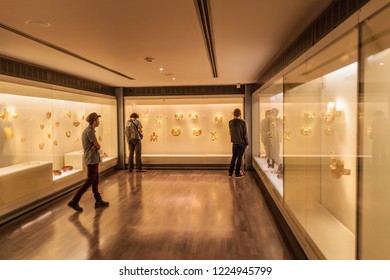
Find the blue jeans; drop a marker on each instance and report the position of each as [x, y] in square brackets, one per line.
[237, 151]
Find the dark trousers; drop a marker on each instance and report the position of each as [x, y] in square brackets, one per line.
[92, 180]
[237, 151]
[135, 147]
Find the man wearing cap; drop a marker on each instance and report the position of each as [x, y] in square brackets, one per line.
[91, 149]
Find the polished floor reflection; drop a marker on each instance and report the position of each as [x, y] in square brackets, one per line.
[180, 214]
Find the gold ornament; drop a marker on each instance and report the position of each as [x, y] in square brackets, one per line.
[309, 115]
[159, 120]
[57, 123]
[42, 126]
[306, 131]
[213, 137]
[153, 137]
[179, 116]
[48, 115]
[41, 146]
[193, 116]
[8, 116]
[49, 136]
[8, 132]
[145, 116]
[55, 142]
[23, 139]
[218, 119]
[176, 131]
[196, 131]
[76, 123]
[286, 135]
[68, 133]
[337, 168]
[331, 113]
[68, 115]
[329, 131]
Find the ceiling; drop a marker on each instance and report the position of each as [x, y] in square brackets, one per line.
[108, 41]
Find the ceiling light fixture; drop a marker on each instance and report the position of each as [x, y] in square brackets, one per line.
[149, 59]
[38, 23]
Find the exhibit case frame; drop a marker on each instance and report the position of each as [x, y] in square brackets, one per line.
[40, 140]
[185, 131]
[334, 148]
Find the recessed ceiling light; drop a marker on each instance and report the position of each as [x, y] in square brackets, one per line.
[173, 78]
[381, 63]
[38, 23]
[161, 69]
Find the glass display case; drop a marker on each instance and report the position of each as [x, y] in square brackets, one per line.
[186, 130]
[374, 139]
[40, 140]
[268, 135]
[335, 150]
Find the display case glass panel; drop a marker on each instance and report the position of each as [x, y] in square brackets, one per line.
[40, 140]
[269, 136]
[187, 130]
[320, 163]
[374, 138]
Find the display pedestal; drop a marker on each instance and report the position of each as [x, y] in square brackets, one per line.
[271, 174]
[23, 179]
[74, 159]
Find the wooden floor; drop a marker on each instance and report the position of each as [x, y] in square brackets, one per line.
[160, 214]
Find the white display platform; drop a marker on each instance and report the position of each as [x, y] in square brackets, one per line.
[23, 179]
[271, 174]
[333, 239]
[186, 158]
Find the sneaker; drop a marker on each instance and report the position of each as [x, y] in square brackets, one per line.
[101, 204]
[75, 206]
[230, 174]
[239, 176]
[141, 170]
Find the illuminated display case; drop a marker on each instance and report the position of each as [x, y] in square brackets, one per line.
[40, 140]
[335, 149]
[188, 130]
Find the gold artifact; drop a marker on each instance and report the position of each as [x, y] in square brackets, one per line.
[153, 137]
[331, 113]
[48, 115]
[57, 172]
[68, 133]
[145, 115]
[55, 142]
[309, 115]
[218, 119]
[159, 119]
[329, 130]
[8, 132]
[68, 114]
[8, 116]
[193, 116]
[41, 146]
[368, 132]
[287, 135]
[179, 116]
[76, 123]
[67, 168]
[306, 131]
[196, 131]
[49, 136]
[176, 131]
[57, 123]
[23, 139]
[213, 137]
[42, 126]
[337, 168]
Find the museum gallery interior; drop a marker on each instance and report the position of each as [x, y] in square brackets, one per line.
[311, 78]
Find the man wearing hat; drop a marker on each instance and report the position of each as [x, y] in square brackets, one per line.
[91, 149]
